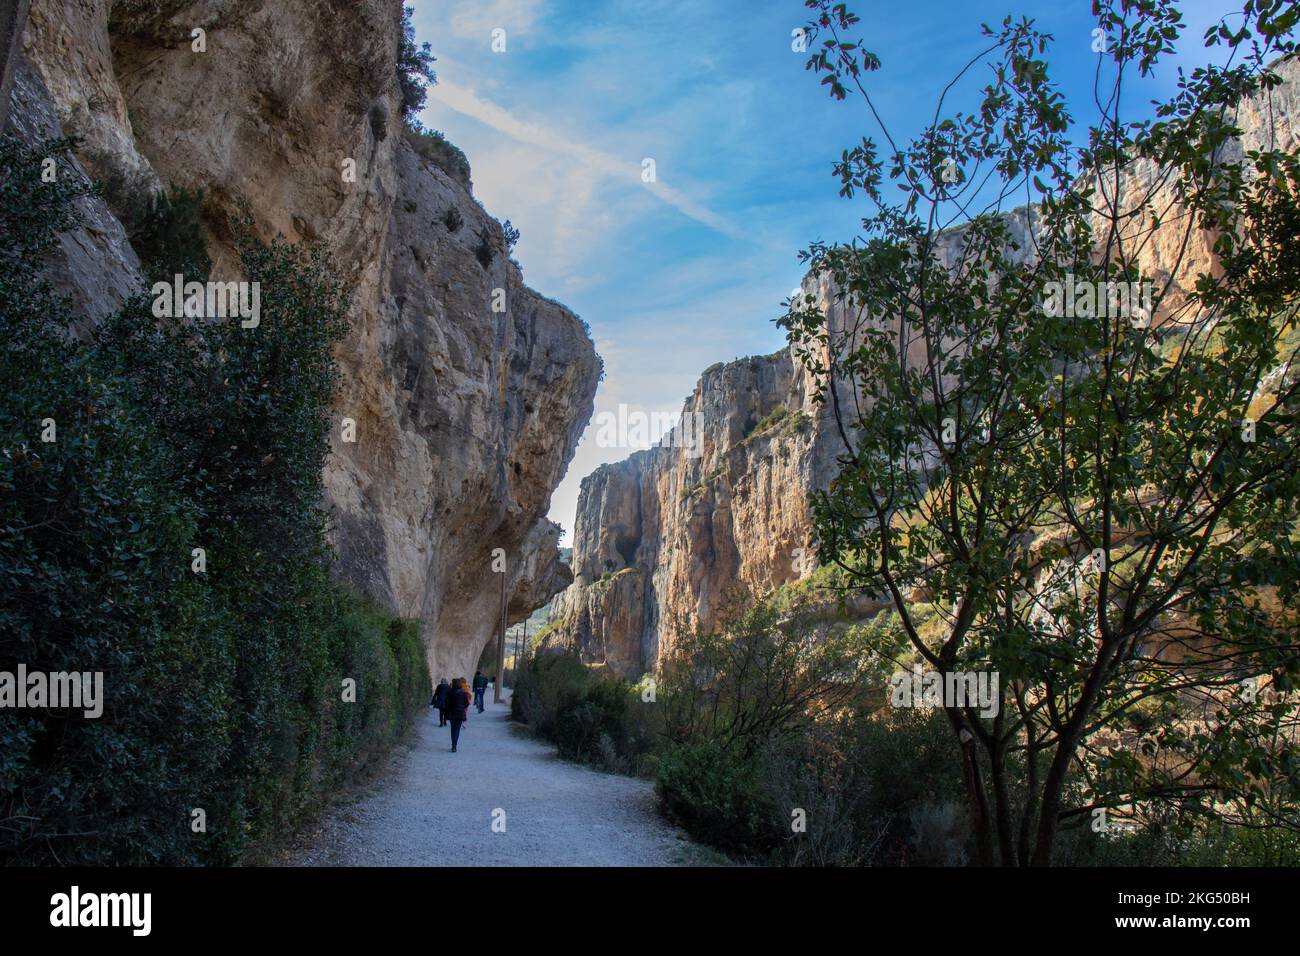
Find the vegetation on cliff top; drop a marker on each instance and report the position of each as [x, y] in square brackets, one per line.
[435, 147]
[414, 68]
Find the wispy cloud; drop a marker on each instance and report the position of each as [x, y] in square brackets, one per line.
[479, 19]
[593, 160]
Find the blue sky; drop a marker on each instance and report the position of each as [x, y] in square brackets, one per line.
[691, 270]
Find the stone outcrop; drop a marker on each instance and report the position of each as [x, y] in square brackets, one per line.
[93, 265]
[664, 540]
[466, 417]
[679, 536]
[13, 17]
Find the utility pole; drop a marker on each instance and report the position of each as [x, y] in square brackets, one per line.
[501, 646]
[521, 641]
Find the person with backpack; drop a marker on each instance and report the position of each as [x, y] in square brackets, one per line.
[440, 701]
[480, 688]
[456, 704]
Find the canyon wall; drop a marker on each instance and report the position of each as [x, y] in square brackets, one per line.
[679, 534]
[665, 540]
[466, 417]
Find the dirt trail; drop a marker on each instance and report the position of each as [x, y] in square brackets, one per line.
[434, 807]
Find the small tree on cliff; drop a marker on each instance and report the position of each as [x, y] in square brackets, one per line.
[414, 69]
[1079, 447]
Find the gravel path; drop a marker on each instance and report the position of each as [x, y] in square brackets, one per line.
[435, 806]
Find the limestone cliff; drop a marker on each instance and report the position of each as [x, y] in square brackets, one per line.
[466, 415]
[663, 539]
[670, 536]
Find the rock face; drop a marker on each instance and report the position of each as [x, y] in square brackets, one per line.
[468, 389]
[466, 421]
[93, 265]
[673, 538]
[664, 540]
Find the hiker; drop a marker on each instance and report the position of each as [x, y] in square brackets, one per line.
[456, 704]
[440, 701]
[480, 688]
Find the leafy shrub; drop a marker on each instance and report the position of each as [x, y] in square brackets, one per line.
[606, 726]
[169, 237]
[906, 763]
[762, 676]
[1179, 840]
[771, 721]
[771, 420]
[591, 717]
[165, 228]
[872, 788]
[547, 685]
[222, 689]
[717, 794]
[414, 68]
[511, 235]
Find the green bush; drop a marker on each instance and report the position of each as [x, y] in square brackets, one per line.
[593, 718]
[548, 684]
[414, 68]
[893, 783]
[717, 794]
[760, 677]
[766, 723]
[773, 749]
[868, 789]
[93, 568]
[607, 726]
[165, 228]
[223, 690]
[168, 235]
[1175, 840]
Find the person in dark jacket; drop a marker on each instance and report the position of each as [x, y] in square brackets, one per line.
[480, 688]
[440, 701]
[457, 707]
